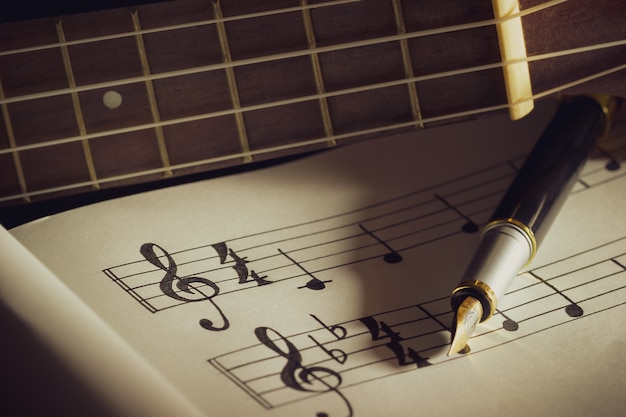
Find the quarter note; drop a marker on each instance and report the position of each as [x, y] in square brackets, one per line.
[470, 226]
[392, 257]
[613, 164]
[508, 323]
[572, 309]
[314, 283]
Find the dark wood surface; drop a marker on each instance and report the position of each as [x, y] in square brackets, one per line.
[258, 88]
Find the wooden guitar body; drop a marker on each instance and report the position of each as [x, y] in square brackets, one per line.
[105, 99]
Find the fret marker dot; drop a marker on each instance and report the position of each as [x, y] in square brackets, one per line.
[112, 99]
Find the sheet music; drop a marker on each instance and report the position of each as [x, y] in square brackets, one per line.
[321, 287]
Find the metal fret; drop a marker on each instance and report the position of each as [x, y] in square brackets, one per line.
[317, 72]
[154, 109]
[78, 113]
[408, 66]
[19, 172]
[232, 82]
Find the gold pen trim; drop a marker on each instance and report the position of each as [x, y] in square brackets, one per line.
[482, 288]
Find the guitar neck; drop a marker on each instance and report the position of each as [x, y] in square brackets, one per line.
[133, 95]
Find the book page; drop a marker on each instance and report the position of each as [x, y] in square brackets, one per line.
[321, 287]
[101, 372]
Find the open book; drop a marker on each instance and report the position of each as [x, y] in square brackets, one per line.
[321, 287]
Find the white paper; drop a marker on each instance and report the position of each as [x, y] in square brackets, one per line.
[337, 328]
[87, 345]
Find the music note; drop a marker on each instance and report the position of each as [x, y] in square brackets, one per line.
[508, 323]
[470, 226]
[572, 309]
[297, 376]
[613, 164]
[314, 283]
[185, 284]
[392, 257]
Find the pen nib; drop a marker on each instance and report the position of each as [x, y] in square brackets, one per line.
[465, 320]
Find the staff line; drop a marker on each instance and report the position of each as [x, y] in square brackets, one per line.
[304, 248]
[407, 367]
[290, 277]
[353, 236]
[390, 201]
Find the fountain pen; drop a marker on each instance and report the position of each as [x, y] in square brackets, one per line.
[514, 232]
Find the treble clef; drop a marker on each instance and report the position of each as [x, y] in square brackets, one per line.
[297, 376]
[184, 284]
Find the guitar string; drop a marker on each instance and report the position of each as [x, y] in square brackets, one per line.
[444, 29]
[404, 81]
[351, 134]
[269, 58]
[347, 91]
[273, 149]
[188, 71]
[300, 144]
[178, 26]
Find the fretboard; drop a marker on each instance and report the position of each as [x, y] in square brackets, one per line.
[132, 95]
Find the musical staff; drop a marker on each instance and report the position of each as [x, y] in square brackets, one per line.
[407, 221]
[317, 249]
[413, 337]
